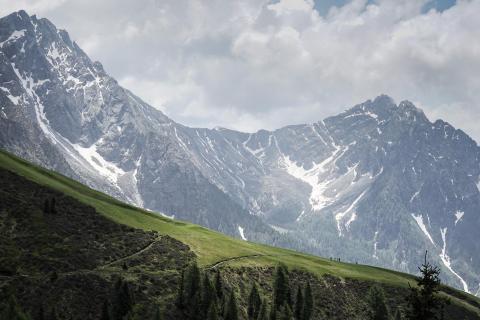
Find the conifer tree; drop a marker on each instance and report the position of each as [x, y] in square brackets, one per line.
[308, 304]
[192, 282]
[219, 285]
[281, 290]
[376, 300]
[231, 312]
[299, 304]
[123, 300]
[254, 303]
[424, 302]
[208, 294]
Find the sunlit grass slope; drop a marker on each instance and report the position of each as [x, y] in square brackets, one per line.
[211, 247]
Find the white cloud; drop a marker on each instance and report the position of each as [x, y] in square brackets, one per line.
[253, 64]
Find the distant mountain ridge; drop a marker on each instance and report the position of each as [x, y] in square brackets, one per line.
[376, 184]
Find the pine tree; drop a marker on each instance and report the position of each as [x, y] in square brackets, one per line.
[231, 311]
[254, 303]
[208, 295]
[123, 300]
[376, 300]
[219, 285]
[192, 282]
[308, 304]
[299, 304]
[281, 290]
[424, 302]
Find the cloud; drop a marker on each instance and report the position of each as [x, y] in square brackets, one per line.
[263, 64]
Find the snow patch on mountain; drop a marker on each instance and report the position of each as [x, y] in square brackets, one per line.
[423, 227]
[375, 243]
[318, 200]
[446, 260]
[17, 34]
[339, 216]
[14, 99]
[458, 216]
[242, 234]
[106, 168]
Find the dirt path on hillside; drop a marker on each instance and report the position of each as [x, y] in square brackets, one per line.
[130, 255]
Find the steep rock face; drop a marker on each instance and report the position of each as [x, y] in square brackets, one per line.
[376, 184]
[63, 111]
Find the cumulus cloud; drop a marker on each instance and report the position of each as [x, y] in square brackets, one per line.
[263, 64]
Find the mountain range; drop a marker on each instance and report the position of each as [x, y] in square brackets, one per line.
[377, 184]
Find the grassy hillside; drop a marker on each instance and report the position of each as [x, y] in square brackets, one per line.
[217, 250]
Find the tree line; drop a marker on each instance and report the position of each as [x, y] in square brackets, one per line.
[202, 296]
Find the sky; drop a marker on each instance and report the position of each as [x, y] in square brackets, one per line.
[253, 64]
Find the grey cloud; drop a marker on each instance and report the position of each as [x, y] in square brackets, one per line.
[252, 64]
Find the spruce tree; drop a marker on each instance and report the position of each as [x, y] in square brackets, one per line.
[219, 285]
[208, 295]
[299, 304]
[281, 290]
[254, 303]
[123, 300]
[424, 302]
[308, 304]
[192, 282]
[376, 300]
[231, 312]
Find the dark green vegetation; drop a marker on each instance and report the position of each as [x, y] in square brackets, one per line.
[424, 301]
[88, 256]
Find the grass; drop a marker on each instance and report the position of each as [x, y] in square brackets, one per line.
[211, 247]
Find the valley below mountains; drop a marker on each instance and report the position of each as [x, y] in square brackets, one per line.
[377, 184]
